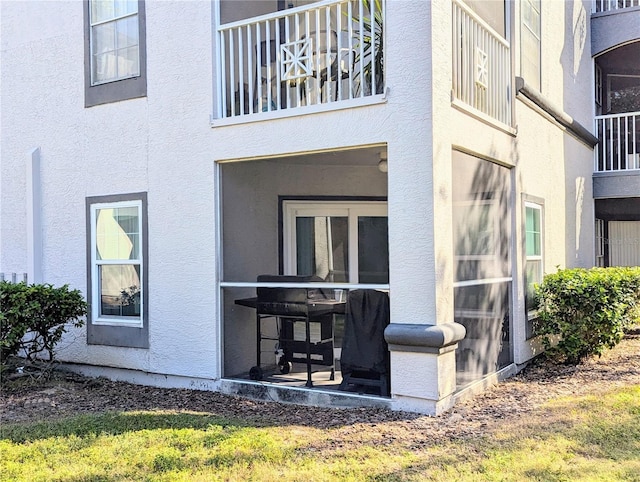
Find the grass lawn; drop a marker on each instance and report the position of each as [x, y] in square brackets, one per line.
[584, 438]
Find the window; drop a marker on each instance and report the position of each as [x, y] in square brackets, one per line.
[115, 63]
[534, 261]
[117, 270]
[338, 241]
[530, 47]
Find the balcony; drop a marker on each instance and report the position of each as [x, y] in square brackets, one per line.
[619, 146]
[599, 6]
[481, 66]
[319, 56]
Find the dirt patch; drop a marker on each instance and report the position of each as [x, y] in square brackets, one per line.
[67, 394]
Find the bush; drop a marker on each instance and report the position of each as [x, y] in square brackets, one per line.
[35, 317]
[13, 326]
[587, 309]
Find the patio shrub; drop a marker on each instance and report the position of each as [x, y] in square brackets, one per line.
[13, 326]
[34, 317]
[587, 310]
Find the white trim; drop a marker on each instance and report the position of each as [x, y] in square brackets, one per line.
[324, 285]
[219, 264]
[349, 209]
[482, 117]
[34, 217]
[112, 320]
[531, 314]
[478, 282]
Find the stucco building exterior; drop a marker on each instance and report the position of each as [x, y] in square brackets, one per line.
[160, 156]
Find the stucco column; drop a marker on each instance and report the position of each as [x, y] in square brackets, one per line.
[422, 336]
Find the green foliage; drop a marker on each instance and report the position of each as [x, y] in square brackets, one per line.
[587, 309]
[35, 317]
[372, 44]
[13, 325]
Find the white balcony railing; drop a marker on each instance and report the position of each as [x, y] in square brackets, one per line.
[322, 53]
[481, 65]
[608, 5]
[619, 146]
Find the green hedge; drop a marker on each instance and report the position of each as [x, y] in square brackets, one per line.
[587, 310]
[34, 317]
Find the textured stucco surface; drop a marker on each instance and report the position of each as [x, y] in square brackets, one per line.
[163, 144]
[158, 144]
[614, 28]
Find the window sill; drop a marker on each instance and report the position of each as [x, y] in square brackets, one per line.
[117, 323]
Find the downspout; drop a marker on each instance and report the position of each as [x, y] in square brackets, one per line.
[561, 117]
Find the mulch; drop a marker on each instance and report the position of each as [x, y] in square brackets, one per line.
[64, 394]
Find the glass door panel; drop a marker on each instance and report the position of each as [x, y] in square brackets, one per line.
[322, 247]
[339, 241]
[373, 249]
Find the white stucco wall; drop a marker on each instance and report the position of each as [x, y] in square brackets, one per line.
[159, 144]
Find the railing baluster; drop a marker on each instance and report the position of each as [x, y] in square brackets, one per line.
[278, 41]
[250, 72]
[304, 83]
[223, 77]
[626, 143]
[636, 153]
[618, 145]
[361, 42]
[232, 73]
[339, 52]
[269, 86]
[610, 152]
[240, 71]
[258, 68]
[372, 13]
[351, 60]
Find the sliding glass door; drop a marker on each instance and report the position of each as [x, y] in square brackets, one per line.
[338, 241]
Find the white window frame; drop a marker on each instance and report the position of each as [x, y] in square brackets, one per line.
[96, 317]
[114, 19]
[598, 85]
[350, 209]
[538, 37]
[531, 314]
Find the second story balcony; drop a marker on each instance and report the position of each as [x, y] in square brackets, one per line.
[298, 59]
[619, 146]
[617, 123]
[481, 64]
